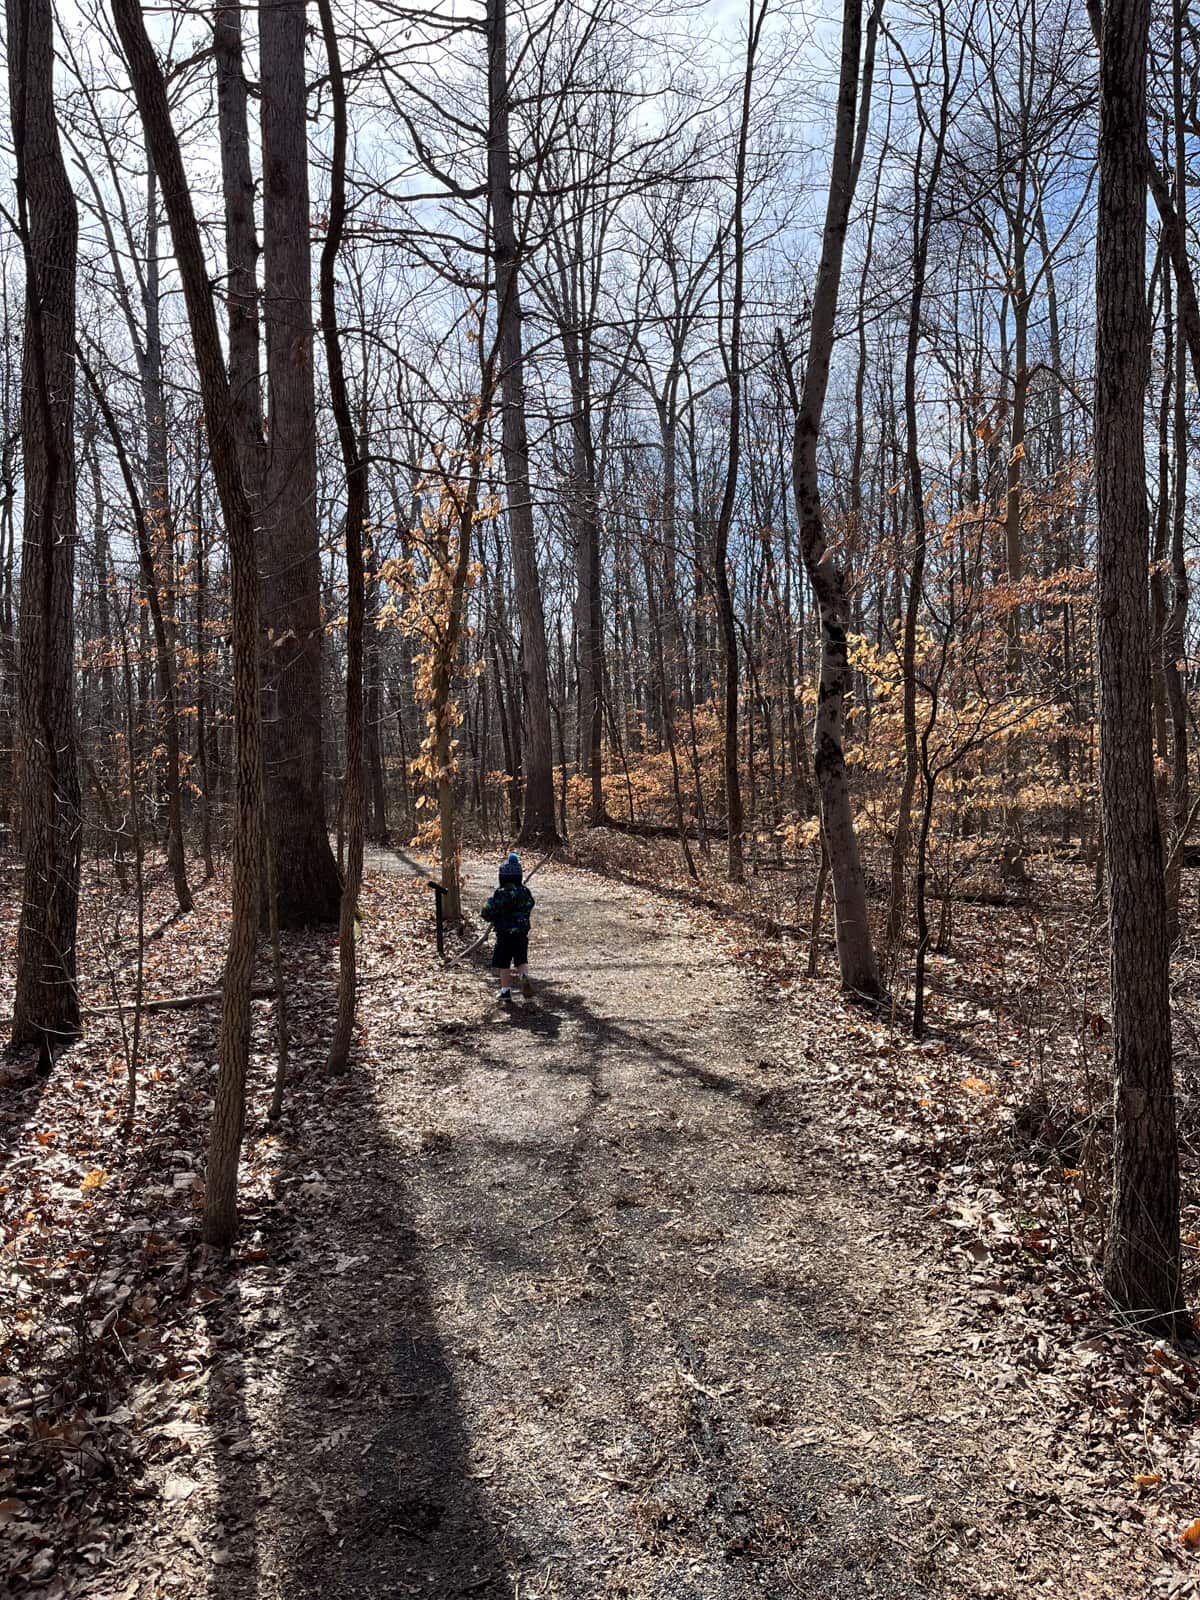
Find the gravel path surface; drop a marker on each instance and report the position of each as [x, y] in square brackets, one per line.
[610, 1311]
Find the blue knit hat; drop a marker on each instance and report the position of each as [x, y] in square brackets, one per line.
[510, 869]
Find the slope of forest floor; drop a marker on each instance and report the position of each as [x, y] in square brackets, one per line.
[684, 1280]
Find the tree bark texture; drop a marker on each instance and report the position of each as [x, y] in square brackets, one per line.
[46, 1003]
[1141, 1259]
[309, 887]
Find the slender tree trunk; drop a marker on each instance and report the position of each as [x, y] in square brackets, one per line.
[856, 954]
[732, 355]
[589, 629]
[46, 1003]
[8, 633]
[203, 742]
[924, 199]
[1142, 1259]
[354, 466]
[144, 523]
[155, 549]
[241, 245]
[537, 819]
[1162, 530]
[373, 700]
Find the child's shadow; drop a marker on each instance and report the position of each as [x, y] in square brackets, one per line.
[533, 1018]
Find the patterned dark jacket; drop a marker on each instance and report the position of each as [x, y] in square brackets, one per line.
[509, 909]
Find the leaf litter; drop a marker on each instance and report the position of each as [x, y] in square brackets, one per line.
[694, 1275]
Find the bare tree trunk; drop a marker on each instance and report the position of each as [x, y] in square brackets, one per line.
[537, 819]
[308, 884]
[732, 357]
[856, 954]
[924, 198]
[203, 752]
[46, 1004]
[164, 645]
[241, 245]
[372, 694]
[354, 465]
[8, 629]
[1175, 630]
[589, 625]
[234, 1043]
[156, 547]
[1141, 1259]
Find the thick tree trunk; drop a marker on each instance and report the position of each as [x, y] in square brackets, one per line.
[537, 820]
[1141, 1259]
[46, 1004]
[309, 888]
[856, 954]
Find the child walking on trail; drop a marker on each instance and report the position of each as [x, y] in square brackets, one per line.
[508, 911]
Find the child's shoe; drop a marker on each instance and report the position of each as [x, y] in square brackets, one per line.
[526, 986]
[506, 998]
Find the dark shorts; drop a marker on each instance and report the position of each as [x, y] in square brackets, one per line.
[512, 950]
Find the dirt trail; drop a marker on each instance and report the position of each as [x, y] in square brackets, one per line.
[624, 1319]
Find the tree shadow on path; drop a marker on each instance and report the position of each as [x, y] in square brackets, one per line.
[371, 1472]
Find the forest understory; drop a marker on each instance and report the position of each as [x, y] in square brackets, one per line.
[689, 1278]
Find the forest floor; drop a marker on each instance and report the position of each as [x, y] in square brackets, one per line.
[668, 1283]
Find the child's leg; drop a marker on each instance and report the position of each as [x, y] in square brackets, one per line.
[522, 970]
[505, 979]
